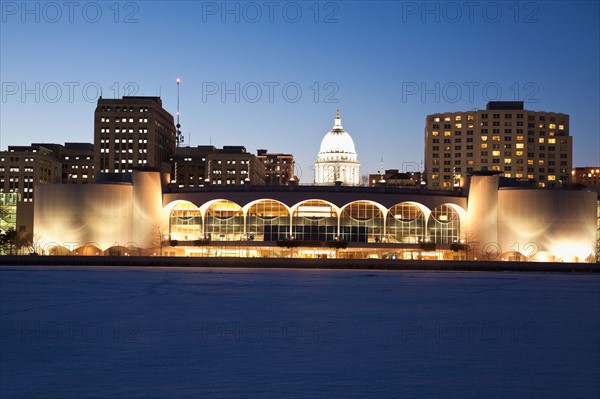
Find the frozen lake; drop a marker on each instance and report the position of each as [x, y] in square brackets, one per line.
[238, 333]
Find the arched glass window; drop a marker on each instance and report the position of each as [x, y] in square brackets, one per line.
[314, 220]
[444, 225]
[361, 221]
[185, 222]
[406, 223]
[268, 220]
[224, 221]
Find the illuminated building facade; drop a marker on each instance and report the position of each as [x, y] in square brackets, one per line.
[587, 176]
[8, 211]
[77, 160]
[521, 144]
[22, 170]
[193, 167]
[395, 178]
[337, 160]
[132, 132]
[483, 221]
[23, 167]
[279, 168]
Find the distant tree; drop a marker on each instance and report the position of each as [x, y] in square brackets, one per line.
[32, 242]
[158, 237]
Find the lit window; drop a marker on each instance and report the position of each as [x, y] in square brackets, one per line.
[447, 119]
[496, 153]
[483, 138]
[541, 140]
[552, 141]
[507, 160]
[551, 177]
[435, 133]
[436, 120]
[484, 145]
[447, 133]
[458, 125]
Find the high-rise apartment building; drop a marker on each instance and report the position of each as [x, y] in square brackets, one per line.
[132, 132]
[207, 165]
[279, 168]
[521, 144]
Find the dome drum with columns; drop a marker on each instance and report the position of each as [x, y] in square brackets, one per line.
[337, 160]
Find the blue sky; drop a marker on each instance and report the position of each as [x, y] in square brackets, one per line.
[271, 74]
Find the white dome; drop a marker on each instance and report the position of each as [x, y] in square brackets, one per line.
[337, 160]
[337, 140]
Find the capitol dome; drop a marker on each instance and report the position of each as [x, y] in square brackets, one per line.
[337, 160]
[337, 140]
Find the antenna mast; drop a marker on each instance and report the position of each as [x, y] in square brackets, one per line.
[179, 137]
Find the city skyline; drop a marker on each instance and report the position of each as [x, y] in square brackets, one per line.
[243, 65]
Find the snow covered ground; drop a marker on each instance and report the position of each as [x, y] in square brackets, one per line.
[233, 333]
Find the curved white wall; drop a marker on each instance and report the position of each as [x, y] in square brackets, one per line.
[561, 222]
[73, 215]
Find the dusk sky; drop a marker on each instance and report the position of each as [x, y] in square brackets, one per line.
[271, 74]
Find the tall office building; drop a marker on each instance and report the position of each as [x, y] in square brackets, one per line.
[527, 145]
[132, 132]
[279, 168]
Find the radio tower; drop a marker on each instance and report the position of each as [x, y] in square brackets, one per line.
[179, 138]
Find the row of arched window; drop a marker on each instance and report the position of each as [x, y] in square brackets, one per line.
[271, 220]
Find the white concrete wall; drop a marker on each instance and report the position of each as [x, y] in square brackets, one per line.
[73, 215]
[147, 208]
[547, 223]
[481, 229]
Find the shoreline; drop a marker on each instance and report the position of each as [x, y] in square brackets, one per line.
[298, 263]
